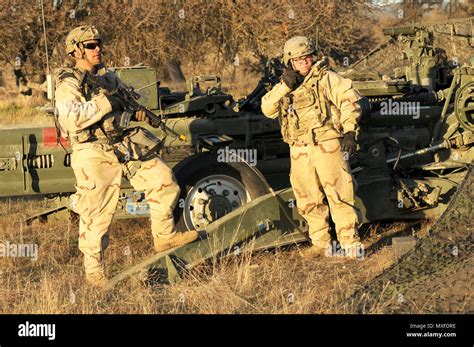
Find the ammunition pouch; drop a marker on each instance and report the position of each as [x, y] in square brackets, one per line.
[136, 144]
[112, 126]
[84, 135]
[303, 112]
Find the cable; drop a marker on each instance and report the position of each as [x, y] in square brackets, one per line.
[45, 37]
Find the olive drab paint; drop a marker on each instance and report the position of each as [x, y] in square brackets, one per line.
[32, 162]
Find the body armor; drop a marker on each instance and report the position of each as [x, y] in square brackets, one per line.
[112, 125]
[304, 110]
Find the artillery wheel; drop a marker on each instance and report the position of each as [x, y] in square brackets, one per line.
[464, 106]
[211, 189]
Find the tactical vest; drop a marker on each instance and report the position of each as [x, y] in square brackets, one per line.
[108, 123]
[304, 110]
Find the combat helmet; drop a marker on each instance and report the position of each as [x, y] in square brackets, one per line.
[297, 46]
[81, 34]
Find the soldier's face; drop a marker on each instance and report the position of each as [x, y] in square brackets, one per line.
[93, 51]
[303, 64]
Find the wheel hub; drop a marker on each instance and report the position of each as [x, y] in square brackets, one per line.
[211, 198]
[464, 106]
[217, 207]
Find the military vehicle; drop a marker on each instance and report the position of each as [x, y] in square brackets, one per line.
[414, 150]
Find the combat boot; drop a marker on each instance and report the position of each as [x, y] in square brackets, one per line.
[314, 252]
[94, 267]
[354, 251]
[96, 279]
[179, 239]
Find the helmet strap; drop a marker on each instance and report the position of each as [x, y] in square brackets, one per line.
[80, 50]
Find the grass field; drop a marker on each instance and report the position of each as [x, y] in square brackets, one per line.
[276, 281]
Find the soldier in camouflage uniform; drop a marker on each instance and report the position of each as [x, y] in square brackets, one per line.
[318, 111]
[86, 115]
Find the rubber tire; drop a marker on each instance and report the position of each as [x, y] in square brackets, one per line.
[201, 165]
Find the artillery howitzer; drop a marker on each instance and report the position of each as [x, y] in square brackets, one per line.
[414, 149]
[32, 162]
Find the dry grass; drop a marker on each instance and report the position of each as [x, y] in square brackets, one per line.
[278, 281]
[23, 110]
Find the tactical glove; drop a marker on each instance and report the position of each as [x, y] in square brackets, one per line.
[348, 142]
[115, 102]
[292, 78]
[140, 116]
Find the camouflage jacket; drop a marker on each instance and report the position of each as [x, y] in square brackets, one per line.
[80, 109]
[325, 106]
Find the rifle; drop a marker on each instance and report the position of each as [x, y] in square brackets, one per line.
[272, 73]
[129, 99]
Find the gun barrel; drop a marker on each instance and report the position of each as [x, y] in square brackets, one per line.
[404, 30]
[434, 148]
[159, 122]
[413, 28]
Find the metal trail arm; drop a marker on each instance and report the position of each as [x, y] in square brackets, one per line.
[261, 219]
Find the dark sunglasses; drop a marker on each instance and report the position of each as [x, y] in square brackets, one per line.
[92, 45]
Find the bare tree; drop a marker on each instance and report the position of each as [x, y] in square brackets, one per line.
[164, 33]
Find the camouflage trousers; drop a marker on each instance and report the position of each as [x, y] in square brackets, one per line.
[98, 179]
[318, 172]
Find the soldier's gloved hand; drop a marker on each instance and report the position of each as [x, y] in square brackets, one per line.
[117, 104]
[291, 78]
[348, 142]
[140, 116]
